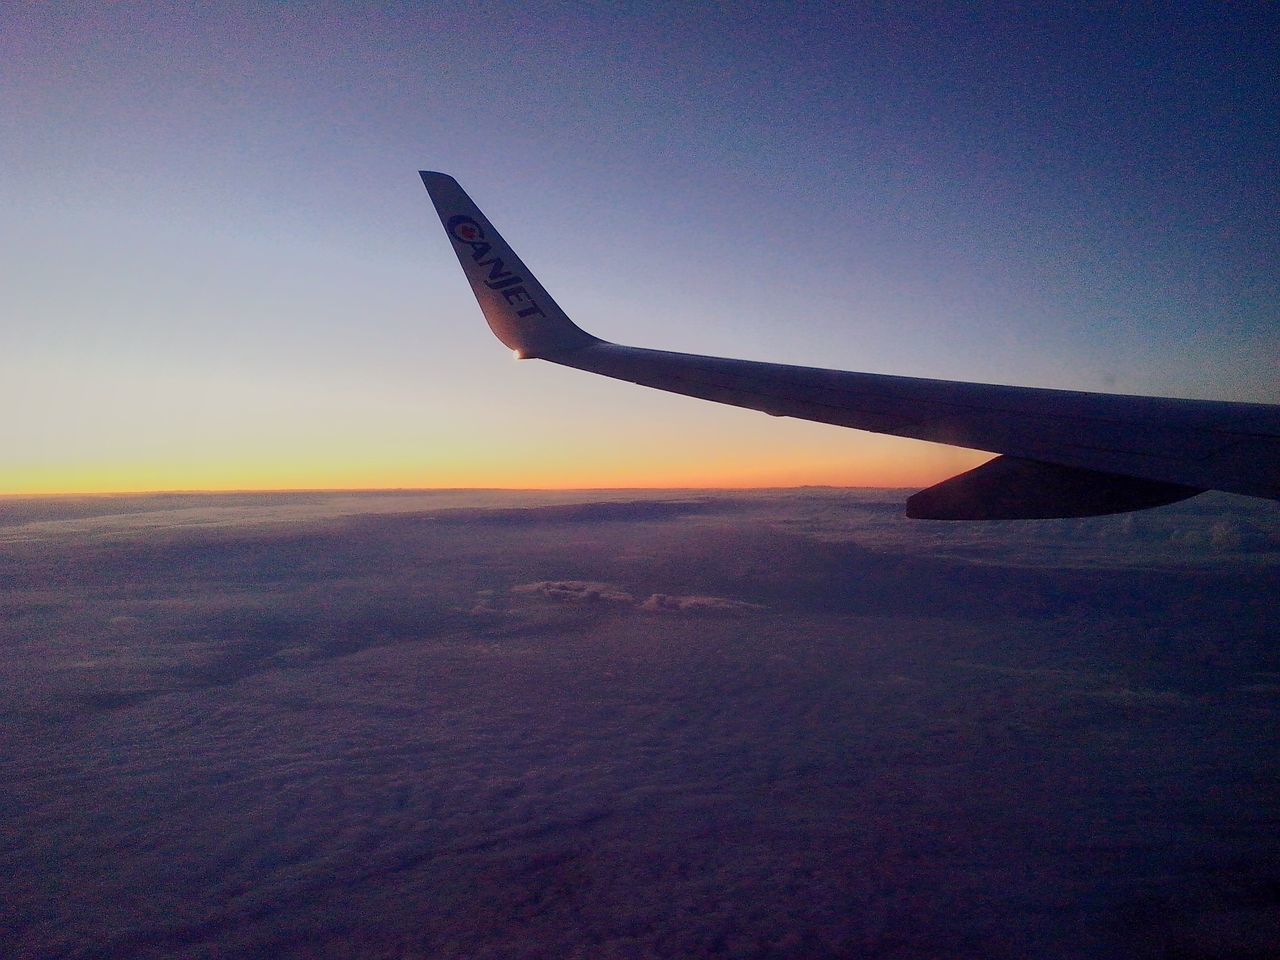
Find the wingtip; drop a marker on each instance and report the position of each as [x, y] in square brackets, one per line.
[518, 309]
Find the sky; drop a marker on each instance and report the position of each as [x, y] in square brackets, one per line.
[221, 271]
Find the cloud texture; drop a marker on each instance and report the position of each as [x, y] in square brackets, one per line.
[767, 725]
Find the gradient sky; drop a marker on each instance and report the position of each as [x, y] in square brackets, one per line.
[221, 269]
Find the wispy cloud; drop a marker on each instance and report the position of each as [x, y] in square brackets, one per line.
[590, 591]
[666, 603]
[576, 591]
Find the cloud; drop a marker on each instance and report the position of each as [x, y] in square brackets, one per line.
[591, 591]
[576, 591]
[291, 736]
[664, 602]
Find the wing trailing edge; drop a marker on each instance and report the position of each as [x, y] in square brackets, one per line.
[1065, 453]
[1008, 488]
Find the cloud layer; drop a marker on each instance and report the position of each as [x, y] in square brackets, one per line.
[786, 725]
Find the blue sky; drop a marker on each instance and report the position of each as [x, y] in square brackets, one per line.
[222, 270]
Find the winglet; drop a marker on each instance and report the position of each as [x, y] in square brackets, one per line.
[519, 311]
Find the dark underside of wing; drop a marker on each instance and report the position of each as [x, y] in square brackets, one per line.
[1009, 488]
[1066, 453]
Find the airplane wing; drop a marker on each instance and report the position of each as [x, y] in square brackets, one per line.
[1062, 453]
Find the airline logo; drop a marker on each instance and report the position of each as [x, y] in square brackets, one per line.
[467, 232]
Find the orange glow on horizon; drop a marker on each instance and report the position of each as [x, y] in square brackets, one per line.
[546, 472]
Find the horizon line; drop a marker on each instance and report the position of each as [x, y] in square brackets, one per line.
[231, 491]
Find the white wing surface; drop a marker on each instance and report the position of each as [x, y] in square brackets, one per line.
[1064, 453]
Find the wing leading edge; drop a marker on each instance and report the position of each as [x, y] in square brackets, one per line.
[1065, 453]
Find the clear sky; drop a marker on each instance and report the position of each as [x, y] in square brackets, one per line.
[220, 269]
